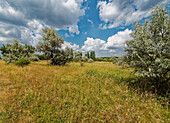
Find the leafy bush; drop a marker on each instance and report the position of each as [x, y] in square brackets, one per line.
[85, 58]
[149, 50]
[90, 60]
[34, 58]
[13, 52]
[41, 57]
[77, 56]
[22, 62]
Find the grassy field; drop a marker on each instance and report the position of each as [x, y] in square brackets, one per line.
[95, 92]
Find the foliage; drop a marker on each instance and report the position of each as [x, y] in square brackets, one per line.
[22, 62]
[13, 52]
[77, 56]
[34, 58]
[150, 48]
[85, 58]
[51, 47]
[87, 55]
[90, 60]
[41, 57]
[69, 53]
[92, 55]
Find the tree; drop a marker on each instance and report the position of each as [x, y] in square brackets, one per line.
[13, 52]
[69, 53]
[87, 54]
[92, 55]
[78, 56]
[51, 47]
[149, 50]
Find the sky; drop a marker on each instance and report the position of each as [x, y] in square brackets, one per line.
[102, 26]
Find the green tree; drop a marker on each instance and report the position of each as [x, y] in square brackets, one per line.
[78, 56]
[51, 47]
[69, 53]
[87, 54]
[13, 52]
[149, 50]
[92, 55]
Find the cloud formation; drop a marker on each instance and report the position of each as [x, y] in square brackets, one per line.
[113, 46]
[124, 12]
[24, 19]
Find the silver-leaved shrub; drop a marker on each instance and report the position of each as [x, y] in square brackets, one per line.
[149, 50]
[13, 52]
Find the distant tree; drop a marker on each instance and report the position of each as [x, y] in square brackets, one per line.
[149, 50]
[13, 52]
[92, 55]
[51, 47]
[85, 58]
[78, 56]
[87, 54]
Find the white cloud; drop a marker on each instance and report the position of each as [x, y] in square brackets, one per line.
[118, 40]
[24, 20]
[75, 47]
[115, 44]
[93, 44]
[90, 21]
[74, 29]
[124, 12]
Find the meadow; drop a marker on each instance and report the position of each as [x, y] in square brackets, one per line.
[93, 92]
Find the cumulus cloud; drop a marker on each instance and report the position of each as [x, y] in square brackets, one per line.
[24, 20]
[113, 46]
[124, 12]
[75, 47]
[118, 40]
[93, 44]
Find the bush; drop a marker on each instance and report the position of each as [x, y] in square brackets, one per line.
[148, 51]
[90, 60]
[34, 58]
[22, 62]
[85, 58]
[41, 57]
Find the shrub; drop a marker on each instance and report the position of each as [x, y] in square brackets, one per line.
[90, 60]
[85, 58]
[41, 57]
[13, 52]
[34, 58]
[148, 51]
[22, 62]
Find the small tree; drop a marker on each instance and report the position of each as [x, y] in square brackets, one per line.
[85, 58]
[51, 47]
[87, 55]
[149, 51]
[78, 56]
[92, 55]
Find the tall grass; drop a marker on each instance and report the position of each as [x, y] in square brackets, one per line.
[96, 92]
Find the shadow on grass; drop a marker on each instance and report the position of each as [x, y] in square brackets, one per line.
[143, 85]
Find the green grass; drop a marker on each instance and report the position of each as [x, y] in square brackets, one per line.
[95, 92]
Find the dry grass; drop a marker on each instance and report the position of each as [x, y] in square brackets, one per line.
[93, 93]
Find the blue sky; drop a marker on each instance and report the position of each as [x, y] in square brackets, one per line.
[86, 25]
